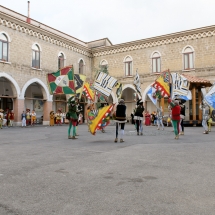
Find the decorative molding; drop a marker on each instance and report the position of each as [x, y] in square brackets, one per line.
[158, 42]
[44, 37]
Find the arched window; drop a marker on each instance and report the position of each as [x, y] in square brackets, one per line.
[104, 66]
[81, 67]
[128, 66]
[61, 60]
[156, 62]
[188, 58]
[3, 47]
[36, 56]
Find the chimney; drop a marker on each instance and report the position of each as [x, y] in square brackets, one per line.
[28, 18]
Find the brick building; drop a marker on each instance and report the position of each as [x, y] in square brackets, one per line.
[29, 50]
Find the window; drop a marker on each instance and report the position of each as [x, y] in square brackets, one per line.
[104, 66]
[188, 58]
[36, 56]
[61, 60]
[81, 67]
[156, 62]
[128, 66]
[3, 47]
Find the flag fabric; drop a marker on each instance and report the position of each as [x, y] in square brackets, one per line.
[62, 81]
[79, 84]
[98, 119]
[210, 97]
[162, 84]
[104, 83]
[119, 90]
[152, 95]
[180, 87]
[89, 91]
[137, 83]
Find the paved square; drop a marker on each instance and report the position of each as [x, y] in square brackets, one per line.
[44, 173]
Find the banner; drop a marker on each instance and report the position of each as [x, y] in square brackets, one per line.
[119, 87]
[162, 84]
[152, 96]
[89, 91]
[79, 84]
[104, 83]
[137, 84]
[62, 81]
[180, 87]
[210, 97]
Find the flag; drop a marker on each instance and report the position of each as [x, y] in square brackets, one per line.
[162, 84]
[79, 84]
[62, 81]
[137, 83]
[104, 83]
[210, 97]
[119, 90]
[152, 95]
[180, 87]
[98, 119]
[89, 91]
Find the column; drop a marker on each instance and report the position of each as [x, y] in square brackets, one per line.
[47, 107]
[199, 102]
[194, 102]
[18, 107]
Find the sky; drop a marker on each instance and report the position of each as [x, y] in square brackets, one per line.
[118, 20]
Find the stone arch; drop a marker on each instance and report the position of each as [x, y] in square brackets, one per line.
[188, 46]
[7, 35]
[128, 86]
[14, 86]
[144, 93]
[45, 92]
[82, 60]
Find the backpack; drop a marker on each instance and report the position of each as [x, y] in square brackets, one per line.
[213, 115]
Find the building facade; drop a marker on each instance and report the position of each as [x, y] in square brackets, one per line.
[29, 50]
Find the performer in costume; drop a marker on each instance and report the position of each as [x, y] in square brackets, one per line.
[120, 120]
[176, 109]
[147, 118]
[138, 116]
[72, 117]
[52, 115]
[212, 118]
[79, 109]
[28, 117]
[160, 118]
[11, 117]
[58, 117]
[33, 117]
[1, 117]
[205, 115]
[182, 116]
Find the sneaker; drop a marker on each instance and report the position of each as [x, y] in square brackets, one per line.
[76, 134]
[116, 140]
[121, 141]
[69, 137]
[73, 137]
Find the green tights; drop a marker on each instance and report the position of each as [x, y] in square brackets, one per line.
[73, 129]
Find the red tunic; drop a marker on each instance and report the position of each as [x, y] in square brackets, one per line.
[11, 116]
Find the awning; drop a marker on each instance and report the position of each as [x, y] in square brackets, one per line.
[197, 80]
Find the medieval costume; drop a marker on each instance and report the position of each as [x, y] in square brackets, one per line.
[1, 118]
[28, 117]
[120, 120]
[33, 117]
[176, 110]
[212, 118]
[147, 118]
[78, 111]
[138, 116]
[58, 117]
[11, 117]
[182, 116]
[51, 118]
[72, 117]
[160, 118]
[205, 116]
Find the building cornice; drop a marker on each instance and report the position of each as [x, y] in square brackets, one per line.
[43, 34]
[156, 41]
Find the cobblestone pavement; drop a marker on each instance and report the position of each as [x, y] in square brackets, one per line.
[42, 172]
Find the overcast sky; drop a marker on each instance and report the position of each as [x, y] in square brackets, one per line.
[119, 20]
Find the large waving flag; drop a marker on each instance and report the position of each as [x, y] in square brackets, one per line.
[104, 83]
[137, 83]
[119, 90]
[180, 87]
[62, 81]
[210, 96]
[152, 95]
[89, 91]
[162, 84]
[79, 84]
[98, 119]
